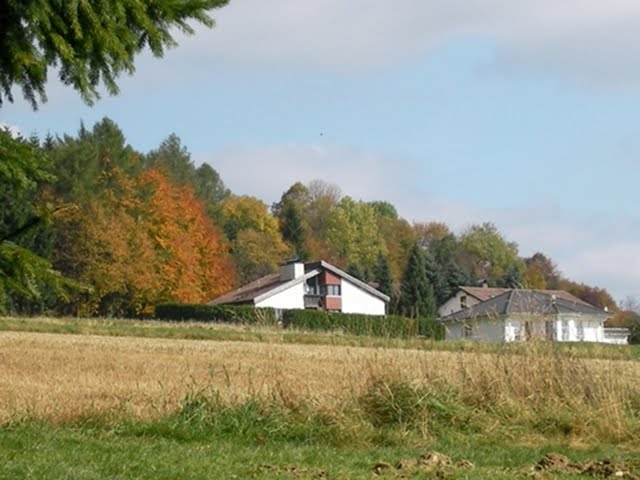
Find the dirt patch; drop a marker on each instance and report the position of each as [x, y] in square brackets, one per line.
[556, 463]
[434, 463]
[295, 472]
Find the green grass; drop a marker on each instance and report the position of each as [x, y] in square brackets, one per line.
[207, 441]
[223, 332]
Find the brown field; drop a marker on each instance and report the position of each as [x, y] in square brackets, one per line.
[64, 377]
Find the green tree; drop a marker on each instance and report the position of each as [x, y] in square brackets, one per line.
[488, 252]
[352, 234]
[173, 160]
[382, 275]
[416, 293]
[79, 162]
[25, 276]
[91, 43]
[211, 190]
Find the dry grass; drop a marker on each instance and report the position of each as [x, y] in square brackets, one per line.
[65, 377]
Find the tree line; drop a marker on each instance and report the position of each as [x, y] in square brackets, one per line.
[100, 228]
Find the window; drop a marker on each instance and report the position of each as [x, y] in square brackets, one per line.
[565, 330]
[312, 286]
[580, 331]
[517, 332]
[549, 332]
[463, 302]
[330, 290]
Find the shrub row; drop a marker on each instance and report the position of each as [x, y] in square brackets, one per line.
[378, 326]
[241, 314]
[392, 326]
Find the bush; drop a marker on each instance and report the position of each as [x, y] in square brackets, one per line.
[357, 324]
[241, 314]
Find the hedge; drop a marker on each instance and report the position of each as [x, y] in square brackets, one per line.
[240, 314]
[356, 324]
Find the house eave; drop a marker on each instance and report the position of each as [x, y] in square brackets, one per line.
[355, 281]
[285, 286]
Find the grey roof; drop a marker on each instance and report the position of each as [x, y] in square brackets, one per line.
[271, 284]
[532, 302]
[486, 293]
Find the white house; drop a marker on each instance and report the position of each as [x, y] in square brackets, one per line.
[517, 315]
[314, 285]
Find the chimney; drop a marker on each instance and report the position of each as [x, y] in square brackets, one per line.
[291, 270]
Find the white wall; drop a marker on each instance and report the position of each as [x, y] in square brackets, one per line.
[453, 304]
[290, 298]
[484, 331]
[356, 300]
[506, 330]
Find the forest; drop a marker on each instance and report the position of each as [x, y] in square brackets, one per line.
[99, 228]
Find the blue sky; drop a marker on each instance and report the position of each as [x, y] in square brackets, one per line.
[520, 113]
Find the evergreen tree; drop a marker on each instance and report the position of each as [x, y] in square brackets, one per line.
[89, 42]
[355, 271]
[383, 275]
[513, 277]
[293, 231]
[416, 293]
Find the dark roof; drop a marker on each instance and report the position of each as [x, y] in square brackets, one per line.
[247, 293]
[534, 302]
[486, 293]
[272, 283]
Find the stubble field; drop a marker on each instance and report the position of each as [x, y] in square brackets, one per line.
[278, 410]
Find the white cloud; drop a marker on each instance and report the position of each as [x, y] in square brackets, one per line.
[591, 41]
[267, 172]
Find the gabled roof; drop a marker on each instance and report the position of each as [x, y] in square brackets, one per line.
[271, 284]
[346, 276]
[532, 302]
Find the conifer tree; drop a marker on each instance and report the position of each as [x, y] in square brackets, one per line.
[90, 42]
[416, 293]
[383, 275]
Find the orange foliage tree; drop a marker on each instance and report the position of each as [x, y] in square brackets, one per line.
[193, 260]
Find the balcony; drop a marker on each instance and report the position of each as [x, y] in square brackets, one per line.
[312, 301]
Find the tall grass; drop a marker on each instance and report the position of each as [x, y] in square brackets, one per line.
[309, 393]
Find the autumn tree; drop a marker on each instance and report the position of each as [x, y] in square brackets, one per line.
[90, 43]
[399, 237]
[256, 241]
[541, 273]
[323, 198]
[104, 243]
[194, 263]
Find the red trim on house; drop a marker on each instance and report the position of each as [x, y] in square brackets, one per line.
[332, 303]
[329, 278]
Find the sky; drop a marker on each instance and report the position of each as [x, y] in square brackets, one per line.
[524, 114]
